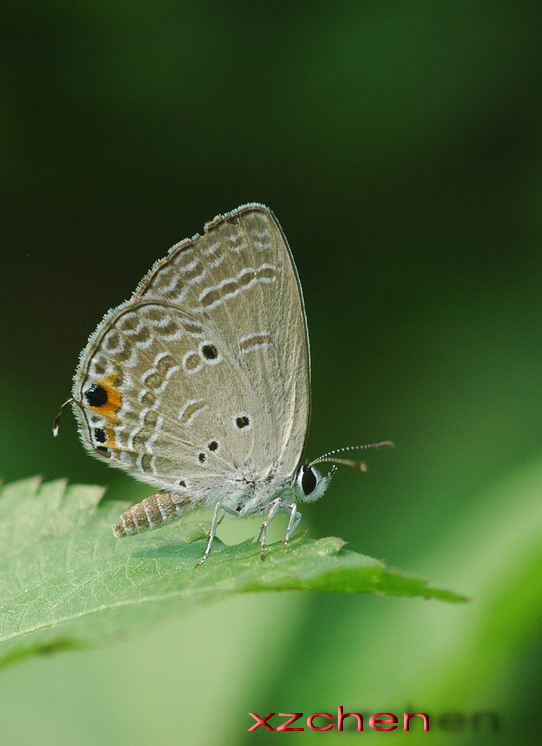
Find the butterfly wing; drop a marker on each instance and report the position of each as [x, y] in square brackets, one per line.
[203, 375]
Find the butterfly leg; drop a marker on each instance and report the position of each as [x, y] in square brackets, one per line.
[212, 533]
[293, 523]
[262, 536]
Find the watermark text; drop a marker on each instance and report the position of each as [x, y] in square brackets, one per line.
[322, 721]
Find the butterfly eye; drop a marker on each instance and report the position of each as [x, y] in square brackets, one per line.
[308, 480]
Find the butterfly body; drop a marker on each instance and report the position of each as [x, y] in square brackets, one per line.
[199, 384]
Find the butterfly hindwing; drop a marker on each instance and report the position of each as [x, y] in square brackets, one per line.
[149, 399]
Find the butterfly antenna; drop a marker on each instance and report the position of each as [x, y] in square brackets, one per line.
[354, 463]
[56, 423]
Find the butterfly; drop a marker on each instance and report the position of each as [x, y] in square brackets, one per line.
[199, 384]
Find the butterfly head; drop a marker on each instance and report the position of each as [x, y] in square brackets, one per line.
[311, 485]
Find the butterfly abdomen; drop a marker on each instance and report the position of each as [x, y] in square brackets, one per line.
[151, 512]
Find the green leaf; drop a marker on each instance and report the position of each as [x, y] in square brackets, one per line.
[66, 581]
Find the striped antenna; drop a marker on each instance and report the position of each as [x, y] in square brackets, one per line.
[354, 463]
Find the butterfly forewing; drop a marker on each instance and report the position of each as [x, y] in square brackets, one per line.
[204, 373]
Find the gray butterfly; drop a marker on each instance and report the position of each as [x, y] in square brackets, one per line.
[200, 383]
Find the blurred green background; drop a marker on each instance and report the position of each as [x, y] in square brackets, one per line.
[400, 146]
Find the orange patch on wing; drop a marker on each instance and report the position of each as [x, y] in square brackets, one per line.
[111, 439]
[114, 401]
